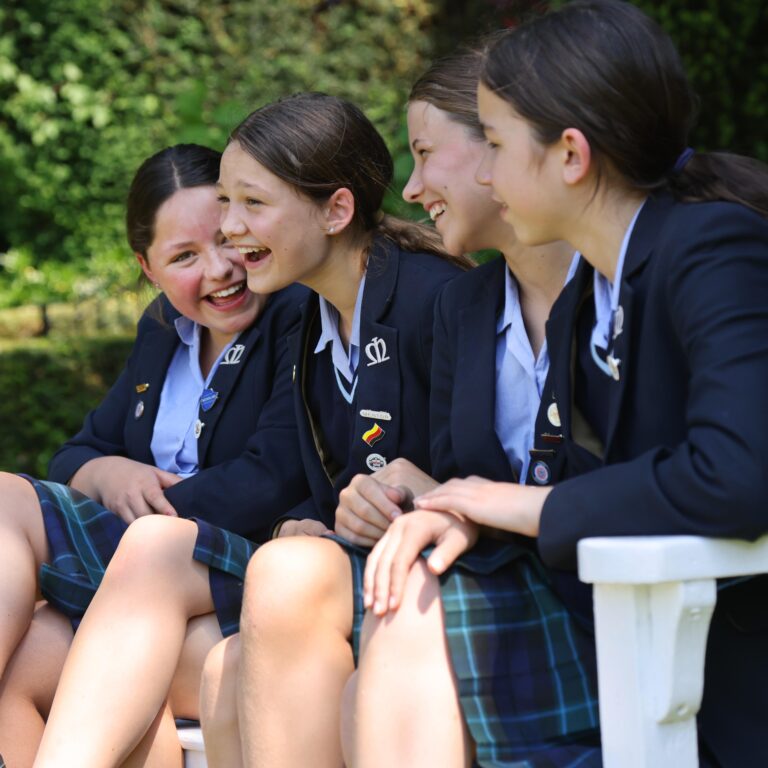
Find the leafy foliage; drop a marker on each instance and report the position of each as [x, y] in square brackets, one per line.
[46, 388]
[88, 88]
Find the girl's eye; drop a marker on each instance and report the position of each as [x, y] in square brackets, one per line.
[223, 200]
[252, 201]
[422, 152]
[182, 257]
[492, 145]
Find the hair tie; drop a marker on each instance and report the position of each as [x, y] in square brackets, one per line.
[682, 159]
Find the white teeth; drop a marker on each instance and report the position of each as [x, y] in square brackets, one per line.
[247, 249]
[436, 210]
[227, 291]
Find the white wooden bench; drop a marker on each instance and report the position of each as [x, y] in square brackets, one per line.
[653, 598]
[192, 743]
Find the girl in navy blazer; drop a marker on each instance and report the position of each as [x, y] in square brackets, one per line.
[658, 359]
[207, 352]
[489, 366]
[301, 187]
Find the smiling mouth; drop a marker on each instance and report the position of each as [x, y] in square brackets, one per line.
[254, 255]
[226, 295]
[437, 209]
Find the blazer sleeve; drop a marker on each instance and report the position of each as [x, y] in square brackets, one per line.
[715, 481]
[248, 494]
[441, 445]
[102, 433]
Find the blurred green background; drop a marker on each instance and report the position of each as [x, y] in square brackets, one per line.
[88, 88]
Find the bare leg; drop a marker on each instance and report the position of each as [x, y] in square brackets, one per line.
[296, 656]
[160, 746]
[25, 548]
[403, 709]
[126, 650]
[27, 690]
[218, 705]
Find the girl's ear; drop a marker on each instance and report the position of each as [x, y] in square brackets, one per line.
[339, 210]
[144, 264]
[578, 156]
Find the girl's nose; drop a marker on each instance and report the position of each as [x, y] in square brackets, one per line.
[413, 190]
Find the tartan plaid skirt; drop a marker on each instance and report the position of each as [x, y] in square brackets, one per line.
[526, 671]
[83, 536]
[227, 554]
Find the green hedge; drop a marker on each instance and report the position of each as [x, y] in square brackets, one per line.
[46, 388]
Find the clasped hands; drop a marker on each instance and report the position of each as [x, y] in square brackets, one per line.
[448, 516]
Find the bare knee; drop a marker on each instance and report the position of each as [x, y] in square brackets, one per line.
[416, 625]
[218, 687]
[20, 513]
[291, 583]
[153, 545]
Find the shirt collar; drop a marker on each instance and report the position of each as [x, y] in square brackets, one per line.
[345, 363]
[511, 294]
[188, 330]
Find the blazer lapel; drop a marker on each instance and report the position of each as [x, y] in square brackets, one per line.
[473, 400]
[223, 384]
[638, 251]
[378, 419]
[151, 369]
[560, 329]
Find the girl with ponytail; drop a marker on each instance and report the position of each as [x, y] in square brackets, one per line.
[301, 187]
[648, 423]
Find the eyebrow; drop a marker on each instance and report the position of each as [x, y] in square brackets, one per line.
[180, 246]
[243, 185]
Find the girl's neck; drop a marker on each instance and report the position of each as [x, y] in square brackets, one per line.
[600, 229]
[540, 273]
[338, 281]
[211, 344]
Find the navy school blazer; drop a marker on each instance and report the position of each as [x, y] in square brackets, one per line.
[245, 482]
[686, 446]
[393, 373]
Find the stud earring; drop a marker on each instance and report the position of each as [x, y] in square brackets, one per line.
[331, 230]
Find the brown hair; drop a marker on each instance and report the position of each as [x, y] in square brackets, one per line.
[606, 68]
[450, 84]
[319, 143]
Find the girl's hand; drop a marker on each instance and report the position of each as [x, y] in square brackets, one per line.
[370, 503]
[509, 506]
[392, 558]
[127, 487]
[306, 527]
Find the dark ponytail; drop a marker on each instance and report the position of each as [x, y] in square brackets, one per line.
[319, 143]
[607, 69]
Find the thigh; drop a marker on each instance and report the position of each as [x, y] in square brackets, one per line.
[203, 634]
[34, 669]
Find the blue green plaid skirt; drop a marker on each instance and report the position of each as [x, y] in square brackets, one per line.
[526, 671]
[226, 554]
[82, 537]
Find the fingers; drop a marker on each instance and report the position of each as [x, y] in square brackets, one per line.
[389, 563]
[167, 479]
[452, 544]
[366, 508]
[158, 503]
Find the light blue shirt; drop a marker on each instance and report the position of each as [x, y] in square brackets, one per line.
[344, 361]
[174, 445]
[519, 378]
